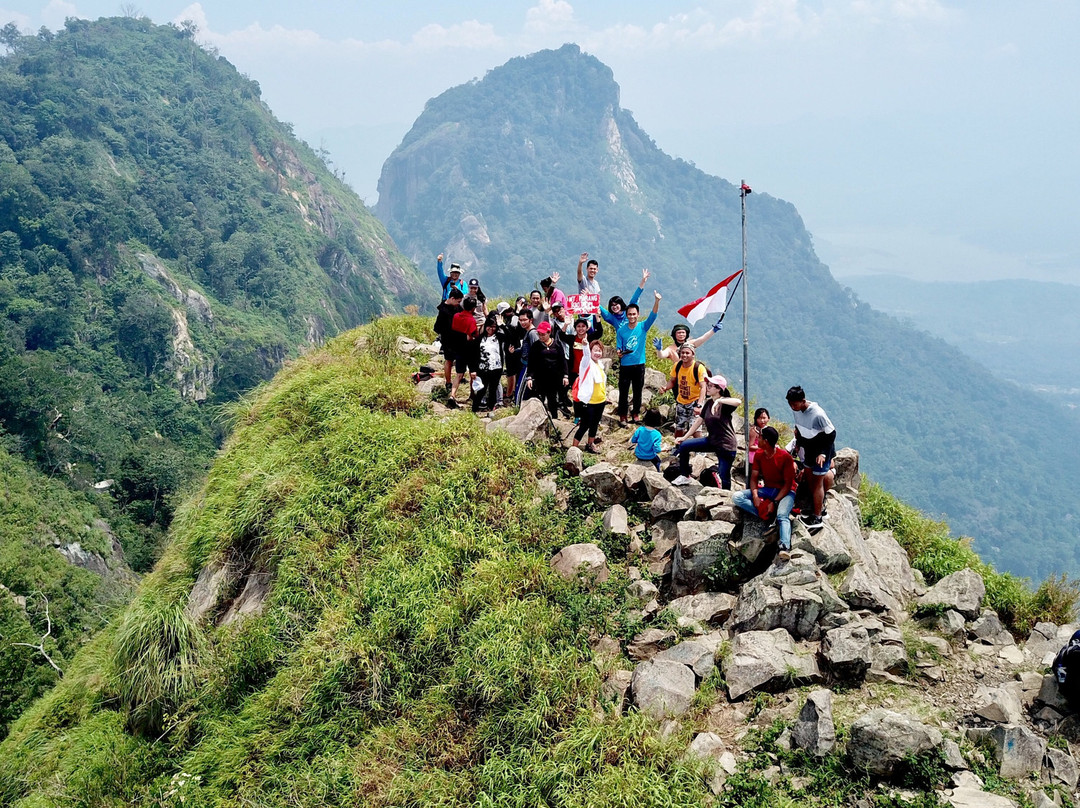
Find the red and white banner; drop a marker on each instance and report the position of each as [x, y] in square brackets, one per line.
[583, 303]
[715, 302]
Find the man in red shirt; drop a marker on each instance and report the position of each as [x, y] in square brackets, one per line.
[774, 470]
[465, 334]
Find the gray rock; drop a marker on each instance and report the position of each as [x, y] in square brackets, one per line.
[708, 607]
[814, 731]
[830, 551]
[604, 480]
[1017, 750]
[999, 705]
[881, 739]
[585, 562]
[968, 797]
[989, 629]
[846, 652]
[846, 471]
[882, 578]
[574, 462]
[951, 624]
[530, 424]
[616, 689]
[633, 474]
[954, 758]
[697, 656]
[663, 689]
[962, 591]
[753, 541]
[1051, 696]
[699, 546]
[708, 500]
[643, 591]
[616, 520]
[655, 380]
[649, 643]
[766, 660]
[670, 503]
[709, 748]
[653, 482]
[214, 581]
[793, 596]
[664, 534]
[1042, 641]
[251, 600]
[1061, 768]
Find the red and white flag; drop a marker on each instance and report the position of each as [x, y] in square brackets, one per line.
[713, 303]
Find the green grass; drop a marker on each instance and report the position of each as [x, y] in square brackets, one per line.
[415, 647]
[936, 553]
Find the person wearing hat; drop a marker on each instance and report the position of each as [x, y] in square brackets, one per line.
[546, 374]
[687, 379]
[774, 470]
[451, 281]
[680, 335]
[720, 405]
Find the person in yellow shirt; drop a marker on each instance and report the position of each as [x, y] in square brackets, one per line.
[590, 391]
[687, 379]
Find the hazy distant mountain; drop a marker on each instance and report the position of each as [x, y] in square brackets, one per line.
[516, 174]
[1026, 332]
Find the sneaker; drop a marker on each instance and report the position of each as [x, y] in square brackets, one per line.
[591, 449]
[812, 523]
[452, 403]
[824, 513]
[682, 479]
[783, 555]
[771, 532]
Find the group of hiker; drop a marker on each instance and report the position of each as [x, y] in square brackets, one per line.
[544, 351]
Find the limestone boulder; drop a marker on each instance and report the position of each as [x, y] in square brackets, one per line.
[670, 503]
[705, 608]
[1059, 768]
[616, 520]
[529, 425]
[880, 740]
[649, 643]
[766, 660]
[574, 463]
[653, 482]
[1017, 750]
[697, 656]
[1000, 705]
[814, 730]
[615, 689]
[698, 547]
[846, 651]
[606, 483]
[585, 562]
[846, 476]
[663, 689]
[962, 591]
[794, 595]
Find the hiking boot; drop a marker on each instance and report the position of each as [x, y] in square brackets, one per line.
[682, 479]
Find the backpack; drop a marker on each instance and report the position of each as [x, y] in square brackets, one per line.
[1066, 669]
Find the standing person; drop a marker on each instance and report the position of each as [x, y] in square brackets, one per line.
[646, 438]
[615, 313]
[477, 294]
[490, 365]
[590, 393]
[443, 327]
[680, 335]
[552, 294]
[687, 379]
[630, 342]
[774, 469]
[815, 444]
[582, 339]
[528, 338]
[467, 335]
[761, 420]
[451, 282]
[537, 307]
[587, 282]
[512, 336]
[546, 374]
[716, 416]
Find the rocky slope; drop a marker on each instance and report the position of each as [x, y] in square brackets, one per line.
[375, 601]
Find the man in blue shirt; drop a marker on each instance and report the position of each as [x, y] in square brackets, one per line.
[630, 339]
[453, 281]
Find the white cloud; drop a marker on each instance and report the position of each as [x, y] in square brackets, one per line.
[54, 14]
[20, 20]
[469, 34]
[550, 16]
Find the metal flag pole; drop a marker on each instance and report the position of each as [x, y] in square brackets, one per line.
[744, 189]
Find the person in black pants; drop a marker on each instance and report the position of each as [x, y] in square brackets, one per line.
[546, 373]
[492, 355]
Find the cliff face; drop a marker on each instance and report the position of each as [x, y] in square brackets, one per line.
[516, 174]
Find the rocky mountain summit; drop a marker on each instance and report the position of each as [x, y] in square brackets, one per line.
[844, 640]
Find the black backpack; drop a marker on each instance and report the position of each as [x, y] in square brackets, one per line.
[1066, 670]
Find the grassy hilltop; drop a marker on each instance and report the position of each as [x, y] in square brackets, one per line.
[414, 646]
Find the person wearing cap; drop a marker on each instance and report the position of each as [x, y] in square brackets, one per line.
[546, 374]
[680, 335]
[630, 340]
[774, 470]
[720, 405]
[687, 379]
[451, 281]
[477, 294]
[815, 448]
[491, 360]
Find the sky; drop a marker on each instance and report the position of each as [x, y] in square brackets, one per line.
[933, 139]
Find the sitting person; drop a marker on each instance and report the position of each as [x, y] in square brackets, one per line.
[720, 405]
[1066, 670]
[646, 438]
[774, 470]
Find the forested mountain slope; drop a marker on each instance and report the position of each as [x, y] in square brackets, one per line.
[514, 175]
[165, 243]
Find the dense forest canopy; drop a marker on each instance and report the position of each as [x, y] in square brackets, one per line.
[516, 174]
[164, 244]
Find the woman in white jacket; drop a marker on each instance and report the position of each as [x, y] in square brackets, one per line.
[590, 391]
